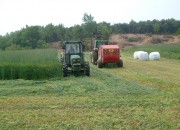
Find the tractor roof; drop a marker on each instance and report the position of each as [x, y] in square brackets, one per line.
[75, 56]
[72, 42]
[101, 40]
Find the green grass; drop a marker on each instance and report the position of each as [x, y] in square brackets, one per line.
[141, 95]
[29, 64]
[171, 51]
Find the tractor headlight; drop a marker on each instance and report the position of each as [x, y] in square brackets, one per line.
[76, 60]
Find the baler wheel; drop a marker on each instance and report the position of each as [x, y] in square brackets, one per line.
[120, 63]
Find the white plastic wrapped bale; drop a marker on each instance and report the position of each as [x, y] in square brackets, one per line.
[143, 56]
[154, 56]
[136, 54]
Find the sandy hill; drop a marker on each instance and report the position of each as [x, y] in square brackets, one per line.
[126, 40]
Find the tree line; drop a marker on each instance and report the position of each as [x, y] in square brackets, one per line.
[31, 37]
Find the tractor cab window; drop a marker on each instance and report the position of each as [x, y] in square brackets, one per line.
[72, 48]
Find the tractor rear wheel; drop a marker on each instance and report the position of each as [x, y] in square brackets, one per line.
[94, 56]
[120, 63]
[99, 64]
[93, 61]
[91, 57]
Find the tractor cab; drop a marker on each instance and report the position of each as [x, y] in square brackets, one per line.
[73, 58]
[72, 50]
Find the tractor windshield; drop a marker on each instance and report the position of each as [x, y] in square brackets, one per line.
[72, 48]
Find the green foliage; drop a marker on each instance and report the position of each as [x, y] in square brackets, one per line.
[105, 29]
[169, 26]
[178, 31]
[166, 51]
[89, 25]
[75, 33]
[29, 64]
[156, 27]
[16, 47]
[42, 44]
[87, 18]
[40, 36]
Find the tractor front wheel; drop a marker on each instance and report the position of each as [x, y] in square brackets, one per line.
[65, 70]
[87, 70]
[120, 63]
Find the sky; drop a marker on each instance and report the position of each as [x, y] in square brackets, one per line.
[16, 14]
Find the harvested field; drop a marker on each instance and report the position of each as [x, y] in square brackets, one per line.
[141, 95]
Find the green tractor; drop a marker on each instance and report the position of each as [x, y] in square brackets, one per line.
[94, 52]
[73, 59]
[96, 42]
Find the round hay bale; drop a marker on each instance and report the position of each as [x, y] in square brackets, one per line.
[154, 56]
[136, 54]
[143, 56]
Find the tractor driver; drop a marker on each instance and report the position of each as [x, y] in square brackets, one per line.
[70, 49]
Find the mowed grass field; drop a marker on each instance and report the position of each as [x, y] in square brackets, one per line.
[141, 95]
